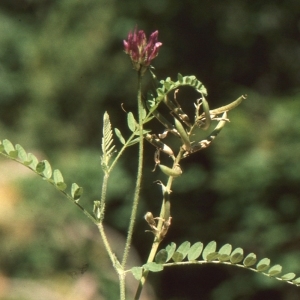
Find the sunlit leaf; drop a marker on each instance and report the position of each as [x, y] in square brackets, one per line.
[8, 146]
[237, 255]
[288, 276]
[131, 122]
[170, 249]
[263, 265]
[120, 136]
[21, 153]
[296, 281]
[195, 251]
[212, 256]
[210, 248]
[224, 252]
[107, 142]
[48, 170]
[275, 270]
[33, 161]
[250, 260]
[153, 267]
[59, 180]
[184, 248]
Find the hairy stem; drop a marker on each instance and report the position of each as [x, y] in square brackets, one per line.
[139, 174]
[156, 241]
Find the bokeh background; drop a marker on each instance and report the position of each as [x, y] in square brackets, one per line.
[62, 65]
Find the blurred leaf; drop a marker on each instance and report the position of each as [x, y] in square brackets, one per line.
[275, 270]
[76, 191]
[40, 167]
[137, 272]
[263, 265]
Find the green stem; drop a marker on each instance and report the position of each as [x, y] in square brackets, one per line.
[157, 241]
[139, 175]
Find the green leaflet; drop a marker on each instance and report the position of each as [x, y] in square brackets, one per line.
[137, 272]
[170, 250]
[263, 265]
[195, 251]
[237, 255]
[120, 136]
[210, 248]
[21, 153]
[59, 180]
[153, 267]
[131, 122]
[161, 256]
[250, 260]
[224, 252]
[76, 191]
[184, 249]
[275, 270]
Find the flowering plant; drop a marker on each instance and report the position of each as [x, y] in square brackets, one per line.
[183, 128]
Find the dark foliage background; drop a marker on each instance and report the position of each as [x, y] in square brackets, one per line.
[62, 65]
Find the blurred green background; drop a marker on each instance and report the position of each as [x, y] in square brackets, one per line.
[62, 65]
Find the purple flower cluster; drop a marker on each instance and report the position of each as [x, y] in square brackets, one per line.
[140, 51]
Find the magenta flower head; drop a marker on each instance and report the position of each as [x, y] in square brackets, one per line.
[140, 51]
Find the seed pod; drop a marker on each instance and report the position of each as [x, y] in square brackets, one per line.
[184, 137]
[206, 114]
[175, 172]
